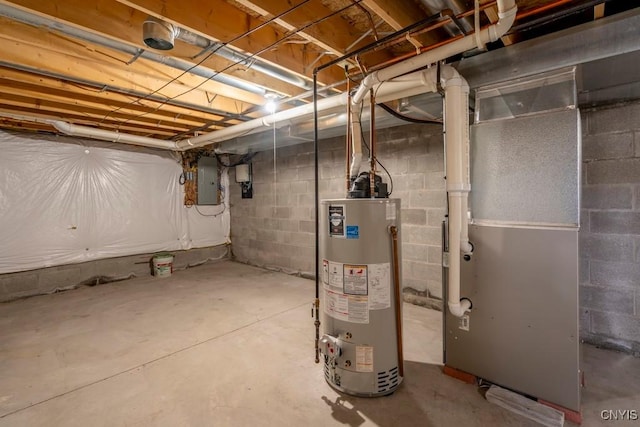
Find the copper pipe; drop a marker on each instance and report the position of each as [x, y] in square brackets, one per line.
[348, 142]
[396, 296]
[535, 11]
[484, 6]
[372, 141]
[409, 55]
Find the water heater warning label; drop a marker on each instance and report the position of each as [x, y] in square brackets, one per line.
[355, 279]
[379, 286]
[349, 308]
[364, 358]
[334, 274]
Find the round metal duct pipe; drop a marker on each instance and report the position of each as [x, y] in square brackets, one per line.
[158, 34]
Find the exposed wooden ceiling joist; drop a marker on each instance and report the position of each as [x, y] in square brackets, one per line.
[223, 22]
[107, 97]
[30, 46]
[119, 22]
[86, 63]
[333, 34]
[399, 15]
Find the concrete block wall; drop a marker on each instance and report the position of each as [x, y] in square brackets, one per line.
[610, 232]
[276, 228]
[64, 277]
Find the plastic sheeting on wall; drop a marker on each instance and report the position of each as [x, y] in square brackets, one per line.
[66, 201]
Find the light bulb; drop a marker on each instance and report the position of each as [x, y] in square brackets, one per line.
[270, 106]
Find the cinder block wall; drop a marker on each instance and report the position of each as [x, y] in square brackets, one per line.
[610, 234]
[275, 229]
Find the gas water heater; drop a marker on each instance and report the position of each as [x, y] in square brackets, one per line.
[360, 296]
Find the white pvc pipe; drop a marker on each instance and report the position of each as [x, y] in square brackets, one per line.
[386, 92]
[356, 141]
[106, 135]
[507, 14]
[457, 164]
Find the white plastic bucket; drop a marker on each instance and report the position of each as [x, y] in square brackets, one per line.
[163, 265]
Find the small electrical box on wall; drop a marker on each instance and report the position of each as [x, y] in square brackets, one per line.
[243, 177]
[208, 181]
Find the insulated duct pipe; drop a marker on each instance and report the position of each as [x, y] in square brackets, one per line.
[356, 138]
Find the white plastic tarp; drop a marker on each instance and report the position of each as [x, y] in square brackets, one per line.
[66, 201]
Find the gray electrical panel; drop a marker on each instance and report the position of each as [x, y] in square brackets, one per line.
[208, 181]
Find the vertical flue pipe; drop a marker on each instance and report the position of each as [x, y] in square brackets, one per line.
[347, 149]
[356, 139]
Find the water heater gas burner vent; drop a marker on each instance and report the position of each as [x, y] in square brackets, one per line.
[387, 380]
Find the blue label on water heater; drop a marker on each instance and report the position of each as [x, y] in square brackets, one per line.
[353, 232]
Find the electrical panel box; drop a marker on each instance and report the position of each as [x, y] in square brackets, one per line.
[208, 181]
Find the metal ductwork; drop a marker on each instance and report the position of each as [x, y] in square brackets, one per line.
[161, 35]
[158, 34]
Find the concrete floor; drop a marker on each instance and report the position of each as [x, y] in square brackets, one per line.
[226, 344]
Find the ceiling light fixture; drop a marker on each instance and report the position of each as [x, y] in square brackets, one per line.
[271, 105]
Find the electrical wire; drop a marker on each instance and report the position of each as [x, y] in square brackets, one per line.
[217, 48]
[401, 116]
[272, 45]
[224, 203]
